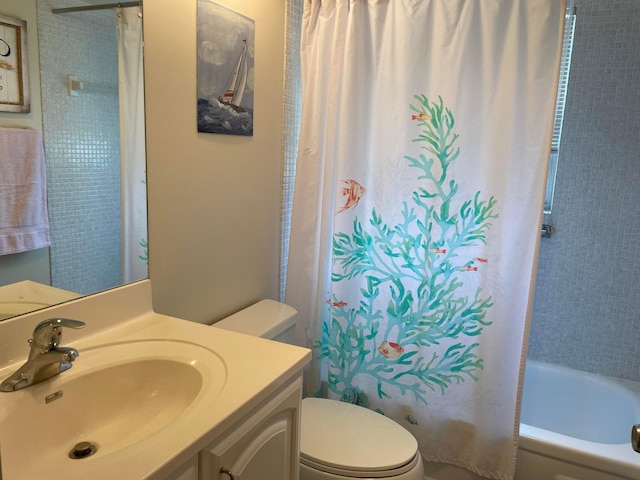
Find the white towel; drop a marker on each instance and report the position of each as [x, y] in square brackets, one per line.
[24, 223]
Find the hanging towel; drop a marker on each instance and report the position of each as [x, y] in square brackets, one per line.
[24, 223]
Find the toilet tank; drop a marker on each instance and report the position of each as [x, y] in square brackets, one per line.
[267, 319]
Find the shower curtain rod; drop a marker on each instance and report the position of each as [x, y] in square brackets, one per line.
[96, 7]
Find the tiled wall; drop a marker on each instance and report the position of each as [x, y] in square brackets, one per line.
[292, 112]
[82, 145]
[586, 310]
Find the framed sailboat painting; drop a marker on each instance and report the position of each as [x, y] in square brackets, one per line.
[225, 70]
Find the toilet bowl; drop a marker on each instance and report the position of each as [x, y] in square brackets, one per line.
[338, 441]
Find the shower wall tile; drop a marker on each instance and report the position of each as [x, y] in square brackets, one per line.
[585, 308]
[82, 144]
[292, 112]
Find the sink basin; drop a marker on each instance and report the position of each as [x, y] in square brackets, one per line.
[115, 396]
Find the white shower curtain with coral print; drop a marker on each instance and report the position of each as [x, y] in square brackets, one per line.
[423, 154]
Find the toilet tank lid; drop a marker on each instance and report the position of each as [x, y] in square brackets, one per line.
[349, 437]
[266, 319]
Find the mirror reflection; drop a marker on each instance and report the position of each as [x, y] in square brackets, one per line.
[93, 131]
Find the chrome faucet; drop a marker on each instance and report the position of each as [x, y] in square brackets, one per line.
[46, 358]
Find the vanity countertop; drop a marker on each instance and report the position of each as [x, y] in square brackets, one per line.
[253, 368]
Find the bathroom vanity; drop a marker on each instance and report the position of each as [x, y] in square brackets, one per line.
[157, 397]
[263, 445]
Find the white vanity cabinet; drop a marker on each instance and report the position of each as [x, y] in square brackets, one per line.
[188, 471]
[262, 446]
[243, 395]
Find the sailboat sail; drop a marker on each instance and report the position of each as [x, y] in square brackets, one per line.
[242, 80]
[235, 86]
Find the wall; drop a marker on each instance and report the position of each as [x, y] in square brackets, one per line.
[33, 265]
[292, 114]
[82, 141]
[214, 200]
[588, 286]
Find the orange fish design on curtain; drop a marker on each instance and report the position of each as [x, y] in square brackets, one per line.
[391, 350]
[354, 192]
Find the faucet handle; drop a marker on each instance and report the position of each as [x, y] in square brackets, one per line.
[48, 334]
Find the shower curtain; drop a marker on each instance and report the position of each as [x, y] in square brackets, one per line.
[424, 146]
[132, 144]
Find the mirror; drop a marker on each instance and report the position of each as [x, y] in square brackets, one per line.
[93, 132]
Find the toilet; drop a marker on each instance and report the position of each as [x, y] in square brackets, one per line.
[338, 441]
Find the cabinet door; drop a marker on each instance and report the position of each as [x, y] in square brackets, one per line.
[188, 471]
[265, 446]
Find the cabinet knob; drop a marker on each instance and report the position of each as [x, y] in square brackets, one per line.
[227, 473]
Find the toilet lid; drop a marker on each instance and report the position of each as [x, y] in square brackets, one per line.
[350, 438]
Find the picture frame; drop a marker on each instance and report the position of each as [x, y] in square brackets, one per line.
[14, 69]
[225, 70]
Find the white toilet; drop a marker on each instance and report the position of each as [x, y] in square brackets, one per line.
[338, 441]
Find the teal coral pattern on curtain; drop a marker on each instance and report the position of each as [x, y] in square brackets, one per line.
[411, 279]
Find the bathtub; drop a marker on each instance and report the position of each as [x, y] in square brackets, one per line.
[576, 426]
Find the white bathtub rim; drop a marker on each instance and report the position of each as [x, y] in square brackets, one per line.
[588, 395]
[616, 459]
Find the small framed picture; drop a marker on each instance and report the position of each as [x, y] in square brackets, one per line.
[14, 75]
[226, 50]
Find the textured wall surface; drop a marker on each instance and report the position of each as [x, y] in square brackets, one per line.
[82, 143]
[292, 113]
[586, 312]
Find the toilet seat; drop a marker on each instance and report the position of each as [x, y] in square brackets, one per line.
[367, 474]
[352, 441]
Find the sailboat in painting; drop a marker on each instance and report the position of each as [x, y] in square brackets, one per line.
[235, 86]
[225, 70]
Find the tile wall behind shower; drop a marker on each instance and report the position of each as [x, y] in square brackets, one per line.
[292, 114]
[82, 144]
[586, 309]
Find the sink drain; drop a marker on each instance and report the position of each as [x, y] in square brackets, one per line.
[82, 450]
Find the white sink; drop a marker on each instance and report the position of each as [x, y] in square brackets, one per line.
[115, 397]
[149, 390]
